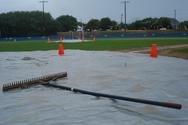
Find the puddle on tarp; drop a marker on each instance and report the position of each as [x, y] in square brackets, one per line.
[124, 74]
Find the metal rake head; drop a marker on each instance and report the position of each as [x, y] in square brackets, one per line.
[33, 81]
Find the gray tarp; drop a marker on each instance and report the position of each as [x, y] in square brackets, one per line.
[124, 74]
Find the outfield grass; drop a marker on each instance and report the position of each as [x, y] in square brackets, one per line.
[101, 44]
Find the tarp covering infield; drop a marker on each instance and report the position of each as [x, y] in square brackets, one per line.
[123, 74]
[71, 41]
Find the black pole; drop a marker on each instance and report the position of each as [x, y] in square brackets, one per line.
[175, 19]
[44, 24]
[125, 15]
[150, 102]
[43, 19]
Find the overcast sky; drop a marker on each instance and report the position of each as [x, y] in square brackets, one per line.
[87, 9]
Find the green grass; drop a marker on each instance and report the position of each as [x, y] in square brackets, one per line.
[101, 44]
[183, 50]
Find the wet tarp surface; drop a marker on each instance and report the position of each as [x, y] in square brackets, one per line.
[123, 74]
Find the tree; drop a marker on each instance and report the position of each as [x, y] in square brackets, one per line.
[183, 25]
[25, 23]
[93, 24]
[147, 23]
[151, 23]
[137, 25]
[164, 22]
[114, 25]
[67, 23]
[105, 23]
[51, 25]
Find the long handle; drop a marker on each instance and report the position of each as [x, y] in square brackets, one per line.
[150, 102]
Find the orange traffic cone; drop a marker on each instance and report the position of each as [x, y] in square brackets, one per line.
[49, 40]
[61, 40]
[94, 39]
[154, 51]
[61, 50]
[82, 39]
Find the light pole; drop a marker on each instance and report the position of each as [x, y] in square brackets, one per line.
[44, 28]
[125, 12]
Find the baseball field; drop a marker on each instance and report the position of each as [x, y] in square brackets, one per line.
[130, 44]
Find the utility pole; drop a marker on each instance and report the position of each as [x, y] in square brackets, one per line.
[175, 19]
[121, 18]
[125, 12]
[44, 25]
[121, 24]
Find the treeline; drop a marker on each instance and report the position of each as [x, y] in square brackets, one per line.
[158, 23]
[35, 23]
[26, 24]
[145, 24]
